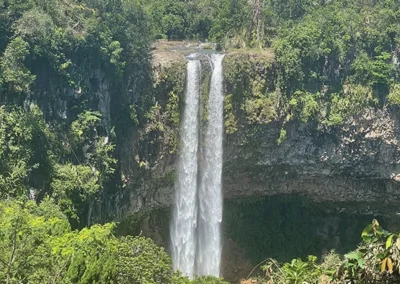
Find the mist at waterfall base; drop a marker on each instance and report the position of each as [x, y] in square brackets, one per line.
[197, 215]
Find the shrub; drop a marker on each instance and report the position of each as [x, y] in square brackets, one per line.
[208, 280]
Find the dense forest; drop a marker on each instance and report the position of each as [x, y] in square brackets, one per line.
[59, 153]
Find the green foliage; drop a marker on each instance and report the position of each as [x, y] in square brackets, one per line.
[298, 271]
[84, 134]
[34, 163]
[261, 109]
[179, 19]
[394, 95]
[291, 9]
[342, 50]
[73, 186]
[54, 48]
[141, 261]
[333, 42]
[229, 116]
[86, 122]
[351, 102]
[38, 246]
[250, 98]
[230, 23]
[14, 72]
[27, 232]
[134, 115]
[376, 260]
[304, 105]
[26, 156]
[64, 55]
[160, 125]
[282, 136]
[234, 23]
[208, 280]
[173, 109]
[154, 119]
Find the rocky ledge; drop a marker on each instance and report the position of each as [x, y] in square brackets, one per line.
[358, 162]
[350, 171]
[355, 163]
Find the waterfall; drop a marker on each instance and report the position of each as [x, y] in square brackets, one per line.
[184, 220]
[196, 222]
[210, 194]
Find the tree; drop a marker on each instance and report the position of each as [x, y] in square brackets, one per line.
[38, 246]
[26, 236]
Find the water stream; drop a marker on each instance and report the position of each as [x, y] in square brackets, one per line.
[184, 220]
[210, 195]
[196, 223]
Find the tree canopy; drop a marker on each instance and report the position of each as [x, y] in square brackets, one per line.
[37, 245]
[60, 135]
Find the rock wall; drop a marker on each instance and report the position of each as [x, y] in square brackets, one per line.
[349, 171]
[356, 162]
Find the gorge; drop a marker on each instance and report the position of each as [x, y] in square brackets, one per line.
[308, 174]
[176, 142]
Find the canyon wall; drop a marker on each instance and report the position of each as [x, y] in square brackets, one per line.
[341, 174]
[354, 162]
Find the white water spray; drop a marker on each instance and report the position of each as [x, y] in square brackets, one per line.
[210, 194]
[196, 223]
[184, 222]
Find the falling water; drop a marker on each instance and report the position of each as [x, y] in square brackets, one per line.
[196, 223]
[210, 195]
[183, 227]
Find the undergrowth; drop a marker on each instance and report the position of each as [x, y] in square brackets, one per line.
[376, 260]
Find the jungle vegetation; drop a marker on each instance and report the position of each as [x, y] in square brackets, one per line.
[376, 260]
[59, 155]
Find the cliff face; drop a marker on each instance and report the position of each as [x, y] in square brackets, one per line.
[346, 174]
[355, 162]
[271, 153]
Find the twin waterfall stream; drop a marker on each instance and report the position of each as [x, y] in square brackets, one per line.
[196, 223]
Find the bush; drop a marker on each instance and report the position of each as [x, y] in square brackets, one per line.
[376, 260]
[208, 280]
[298, 271]
[38, 246]
[394, 95]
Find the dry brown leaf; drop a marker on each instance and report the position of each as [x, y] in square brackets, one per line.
[390, 265]
[383, 265]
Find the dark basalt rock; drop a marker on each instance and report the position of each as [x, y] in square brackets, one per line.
[351, 169]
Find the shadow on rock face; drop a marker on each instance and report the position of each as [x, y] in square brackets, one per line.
[235, 265]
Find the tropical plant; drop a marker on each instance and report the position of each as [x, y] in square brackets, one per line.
[37, 245]
[376, 260]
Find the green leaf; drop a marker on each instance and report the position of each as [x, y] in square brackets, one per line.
[382, 255]
[367, 231]
[353, 255]
[389, 242]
